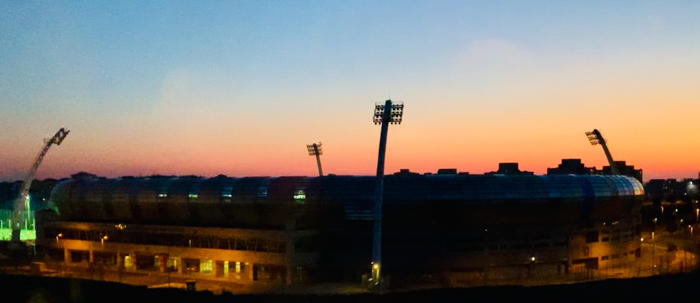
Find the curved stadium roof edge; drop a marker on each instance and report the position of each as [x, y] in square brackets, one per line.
[401, 187]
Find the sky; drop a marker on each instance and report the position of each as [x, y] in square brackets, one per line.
[240, 87]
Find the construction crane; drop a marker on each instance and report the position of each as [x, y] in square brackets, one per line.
[18, 214]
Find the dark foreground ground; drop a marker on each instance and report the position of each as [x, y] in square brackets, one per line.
[672, 288]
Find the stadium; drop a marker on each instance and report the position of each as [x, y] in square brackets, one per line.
[290, 230]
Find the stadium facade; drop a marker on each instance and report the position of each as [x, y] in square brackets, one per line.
[297, 229]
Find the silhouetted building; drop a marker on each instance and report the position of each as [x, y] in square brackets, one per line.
[624, 169]
[658, 188]
[510, 168]
[571, 166]
[672, 190]
[405, 172]
[576, 167]
[447, 171]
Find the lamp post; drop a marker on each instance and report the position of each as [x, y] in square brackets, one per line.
[386, 114]
[315, 150]
[595, 137]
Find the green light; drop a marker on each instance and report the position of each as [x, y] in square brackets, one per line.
[24, 235]
[300, 196]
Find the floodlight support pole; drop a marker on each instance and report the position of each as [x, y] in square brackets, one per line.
[378, 195]
[613, 167]
[318, 160]
[19, 204]
[601, 141]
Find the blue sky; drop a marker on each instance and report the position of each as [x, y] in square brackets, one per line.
[241, 81]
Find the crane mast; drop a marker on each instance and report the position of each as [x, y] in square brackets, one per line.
[18, 214]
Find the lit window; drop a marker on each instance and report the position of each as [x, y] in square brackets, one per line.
[262, 191]
[227, 193]
[206, 265]
[300, 196]
[172, 263]
[128, 262]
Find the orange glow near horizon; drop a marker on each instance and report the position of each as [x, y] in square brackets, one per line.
[240, 88]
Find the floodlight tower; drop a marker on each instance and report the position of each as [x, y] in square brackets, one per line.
[315, 150]
[596, 138]
[18, 214]
[386, 114]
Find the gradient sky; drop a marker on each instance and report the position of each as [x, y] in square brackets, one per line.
[240, 87]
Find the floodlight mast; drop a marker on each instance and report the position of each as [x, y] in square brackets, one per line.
[384, 115]
[595, 137]
[315, 150]
[18, 213]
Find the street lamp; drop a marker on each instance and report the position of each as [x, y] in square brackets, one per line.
[595, 137]
[315, 150]
[103, 240]
[388, 113]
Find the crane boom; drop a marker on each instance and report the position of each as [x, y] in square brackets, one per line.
[18, 213]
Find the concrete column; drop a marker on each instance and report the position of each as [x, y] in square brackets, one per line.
[180, 265]
[162, 262]
[251, 271]
[66, 256]
[120, 261]
[91, 258]
[215, 268]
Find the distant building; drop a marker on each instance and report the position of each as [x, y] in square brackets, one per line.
[571, 167]
[405, 172]
[672, 190]
[447, 171]
[511, 169]
[659, 188]
[576, 167]
[624, 169]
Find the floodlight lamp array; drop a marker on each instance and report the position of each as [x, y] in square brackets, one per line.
[312, 151]
[396, 115]
[594, 137]
[378, 113]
